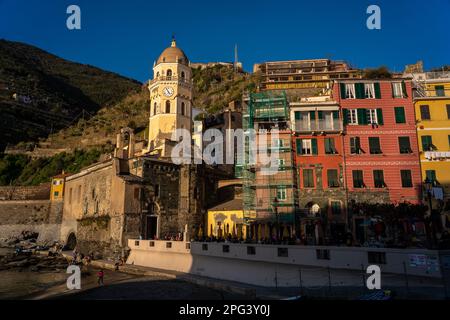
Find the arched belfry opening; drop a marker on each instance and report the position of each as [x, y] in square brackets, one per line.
[125, 144]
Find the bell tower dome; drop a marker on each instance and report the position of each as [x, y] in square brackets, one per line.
[170, 99]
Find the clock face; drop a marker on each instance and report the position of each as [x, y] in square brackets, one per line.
[168, 91]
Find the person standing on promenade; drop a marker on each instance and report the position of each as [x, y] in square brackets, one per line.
[100, 276]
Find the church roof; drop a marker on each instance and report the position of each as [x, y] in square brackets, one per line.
[173, 54]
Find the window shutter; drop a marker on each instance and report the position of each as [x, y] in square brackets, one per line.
[320, 113]
[359, 88]
[327, 145]
[314, 146]
[380, 116]
[362, 116]
[400, 115]
[405, 94]
[392, 90]
[342, 89]
[336, 114]
[377, 90]
[357, 144]
[345, 115]
[312, 115]
[297, 115]
[298, 145]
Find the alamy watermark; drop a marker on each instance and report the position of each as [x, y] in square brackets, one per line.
[374, 20]
[238, 147]
[73, 21]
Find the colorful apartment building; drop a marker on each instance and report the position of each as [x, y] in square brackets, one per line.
[381, 157]
[318, 144]
[432, 104]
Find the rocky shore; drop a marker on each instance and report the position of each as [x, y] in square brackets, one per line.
[32, 262]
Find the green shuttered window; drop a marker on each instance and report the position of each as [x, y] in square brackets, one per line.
[400, 115]
[406, 178]
[308, 178]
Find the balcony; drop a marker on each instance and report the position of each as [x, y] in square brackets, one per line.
[334, 125]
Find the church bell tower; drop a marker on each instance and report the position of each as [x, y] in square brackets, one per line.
[170, 99]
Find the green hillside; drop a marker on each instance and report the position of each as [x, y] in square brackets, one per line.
[41, 93]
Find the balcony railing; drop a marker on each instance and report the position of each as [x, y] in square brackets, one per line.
[319, 125]
[171, 78]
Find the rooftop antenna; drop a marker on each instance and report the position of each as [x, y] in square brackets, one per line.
[235, 58]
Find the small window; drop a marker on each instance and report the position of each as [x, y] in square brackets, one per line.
[156, 189]
[448, 111]
[350, 92]
[374, 145]
[306, 146]
[358, 180]
[332, 177]
[136, 243]
[308, 178]
[56, 193]
[283, 252]
[369, 91]
[225, 248]
[406, 178]
[430, 175]
[188, 246]
[378, 179]
[323, 254]
[251, 250]
[168, 245]
[281, 193]
[372, 116]
[404, 144]
[182, 75]
[397, 90]
[167, 106]
[376, 257]
[182, 109]
[169, 74]
[154, 108]
[440, 91]
[400, 115]
[427, 143]
[352, 116]
[329, 146]
[425, 112]
[355, 145]
[151, 243]
[336, 208]
[205, 247]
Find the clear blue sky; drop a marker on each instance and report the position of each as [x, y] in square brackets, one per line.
[127, 36]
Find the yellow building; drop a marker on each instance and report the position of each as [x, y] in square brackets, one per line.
[226, 219]
[432, 106]
[57, 187]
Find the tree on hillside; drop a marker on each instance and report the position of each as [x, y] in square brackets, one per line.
[378, 73]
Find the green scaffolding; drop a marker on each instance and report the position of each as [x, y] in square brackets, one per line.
[261, 194]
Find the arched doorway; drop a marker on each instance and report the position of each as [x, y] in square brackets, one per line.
[71, 242]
